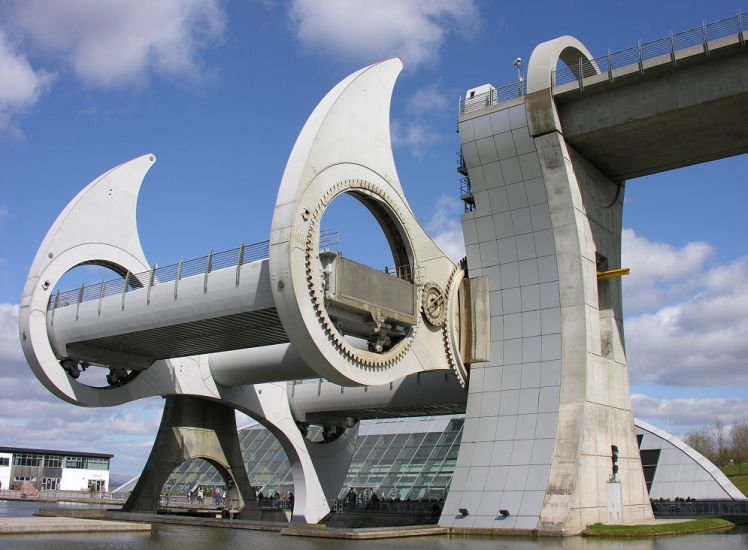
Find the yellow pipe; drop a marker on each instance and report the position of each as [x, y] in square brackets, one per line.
[613, 273]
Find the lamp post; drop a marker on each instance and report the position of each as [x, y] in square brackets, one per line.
[518, 65]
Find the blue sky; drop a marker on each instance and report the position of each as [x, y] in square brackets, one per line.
[219, 91]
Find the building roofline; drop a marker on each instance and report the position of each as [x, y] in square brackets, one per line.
[54, 452]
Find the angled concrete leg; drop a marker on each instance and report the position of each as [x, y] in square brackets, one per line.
[192, 427]
[332, 460]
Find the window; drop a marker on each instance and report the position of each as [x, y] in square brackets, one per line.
[76, 462]
[98, 463]
[96, 485]
[27, 459]
[649, 458]
[86, 463]
[4, 461]
[50, 483]
[53, 461]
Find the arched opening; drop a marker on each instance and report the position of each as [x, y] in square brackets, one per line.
[362, 270]
[89, 281]
[199, 483]
[357, 233]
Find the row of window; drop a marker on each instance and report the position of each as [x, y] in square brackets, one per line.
[51, 461]
[53, 483]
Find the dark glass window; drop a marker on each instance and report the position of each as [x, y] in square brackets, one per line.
[649, 459]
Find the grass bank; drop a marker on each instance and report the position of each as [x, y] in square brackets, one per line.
[738, 474]
[681, 528]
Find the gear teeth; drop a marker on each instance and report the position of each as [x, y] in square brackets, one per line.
[317, 304]
[460, 373]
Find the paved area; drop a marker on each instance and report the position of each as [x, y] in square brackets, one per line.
[117, 516]
[364, 533]
[37, 525]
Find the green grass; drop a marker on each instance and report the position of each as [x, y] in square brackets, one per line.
[682, 528]
[741, 482]
[735, 469]
[738, 474]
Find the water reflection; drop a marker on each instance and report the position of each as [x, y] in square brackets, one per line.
[21, 508]
[173, 537]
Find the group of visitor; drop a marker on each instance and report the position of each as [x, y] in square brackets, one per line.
[276, 500]
[198, 495]
[354, 502]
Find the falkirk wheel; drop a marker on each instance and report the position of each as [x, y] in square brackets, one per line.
[528, 337]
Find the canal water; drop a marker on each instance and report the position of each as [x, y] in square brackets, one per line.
[174, 537]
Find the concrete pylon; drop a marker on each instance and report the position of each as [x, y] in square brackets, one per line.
[193, 427]
[545, 413]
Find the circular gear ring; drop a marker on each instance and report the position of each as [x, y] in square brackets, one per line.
[316, 294]
[449, 332]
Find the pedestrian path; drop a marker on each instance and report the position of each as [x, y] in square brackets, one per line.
[38, 525]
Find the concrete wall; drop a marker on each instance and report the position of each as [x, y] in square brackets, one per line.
[513, 400]
[543, 413]
[74, 479]
[5, 471]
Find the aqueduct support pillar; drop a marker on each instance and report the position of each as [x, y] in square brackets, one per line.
[544, 413]
[193, 427]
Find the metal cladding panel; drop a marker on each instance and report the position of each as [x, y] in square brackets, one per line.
[243, 330]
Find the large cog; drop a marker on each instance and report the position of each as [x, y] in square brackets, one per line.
[316, 294]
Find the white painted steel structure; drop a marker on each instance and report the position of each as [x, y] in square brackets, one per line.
[343, 148]
[542, 414]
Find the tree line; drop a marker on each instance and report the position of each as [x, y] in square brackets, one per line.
[721, 444]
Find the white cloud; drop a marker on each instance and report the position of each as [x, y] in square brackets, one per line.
[701, 339]
[10, 345]
[415, 136]
[680, 416]
[659, 271]
[367, 31]
[22, 85]
[110, 42]
[445, 227]
[418, 135]
[427, 100]
[30, 416]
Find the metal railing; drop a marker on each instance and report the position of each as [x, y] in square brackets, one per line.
[65, 495]
[431, 506]
[465, 187]
[606, 64]
[404, 271]
[666, 46]
[493, 97]
[466, 194]
[714, 508]
[158, 275]
[209, 502]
